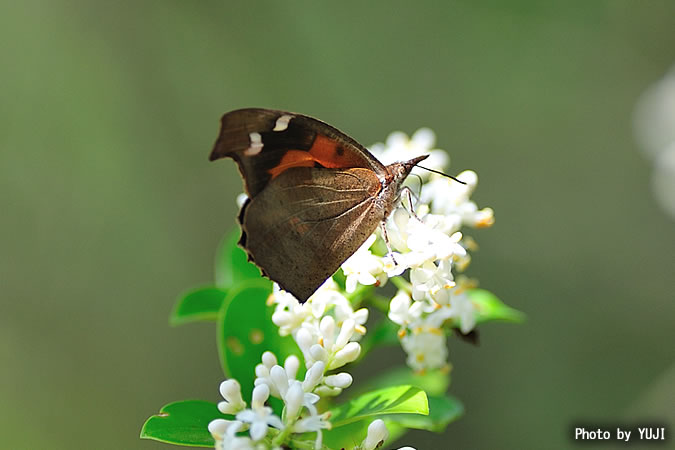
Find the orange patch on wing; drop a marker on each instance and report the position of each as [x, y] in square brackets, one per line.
[325, 151]
[329, 153]
[292, 158]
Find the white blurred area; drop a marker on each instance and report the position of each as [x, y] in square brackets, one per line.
[655, 132]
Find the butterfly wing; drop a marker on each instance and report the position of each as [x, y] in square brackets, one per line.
[308, 221]
[266, 142]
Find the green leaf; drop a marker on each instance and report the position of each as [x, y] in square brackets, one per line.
[232, 265]
[442, 411]
[350, 421]
[246, 330]
[491, 308]
[384, 333]
[183, 423]
[197, 305]
[391, 400]
[433, 382]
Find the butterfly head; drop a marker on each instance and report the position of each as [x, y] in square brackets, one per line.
[400, 170]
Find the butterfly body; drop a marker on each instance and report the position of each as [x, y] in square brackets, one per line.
[315, 194]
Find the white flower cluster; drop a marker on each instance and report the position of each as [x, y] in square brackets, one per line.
[655, 131]
[326, 329]
[430, 245]
[298, 396]
[276, 381]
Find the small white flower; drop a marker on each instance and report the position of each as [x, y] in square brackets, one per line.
[450, 200]
[260, 417]
[463, 308]
[403, 311]
[313, 423]
[364, 268]
[344, 311]
[289, 314]
[231, 392]
[432, 280]
[426, 349]
[377, 434]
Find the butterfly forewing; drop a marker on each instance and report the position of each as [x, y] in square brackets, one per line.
[265, 143]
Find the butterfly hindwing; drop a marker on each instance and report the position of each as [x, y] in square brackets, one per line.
[307, 222]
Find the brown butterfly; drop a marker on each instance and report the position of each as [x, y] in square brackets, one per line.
[315, 194]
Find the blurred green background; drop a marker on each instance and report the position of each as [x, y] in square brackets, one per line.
[110, 208]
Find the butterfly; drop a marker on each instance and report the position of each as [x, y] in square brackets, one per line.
[314, 194]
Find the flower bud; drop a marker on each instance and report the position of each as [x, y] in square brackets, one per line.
[304, 339]
[318, 353]
[341, 380]
[327, 328]
[349, 353]
[280, 379]
[377, 434]
[291, 365]
[231, 392]
[262, 371]
[218, 427]
[260, 395]
[293, 401]
[346, 332]
[327, 391]
[268, 359]
[281, 318]
[313, 376]
[361, 316]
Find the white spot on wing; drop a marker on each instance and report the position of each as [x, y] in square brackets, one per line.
[256, 144]
[282, 122]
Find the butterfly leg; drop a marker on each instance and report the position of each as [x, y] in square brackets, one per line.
[390, 252]
[409, 196]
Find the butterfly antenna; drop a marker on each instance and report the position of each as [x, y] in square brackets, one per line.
[441, 173]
